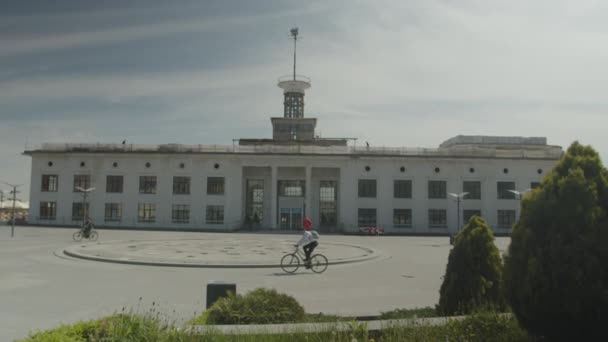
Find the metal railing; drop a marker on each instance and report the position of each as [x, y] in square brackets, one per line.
[548, 152]
[288, 78]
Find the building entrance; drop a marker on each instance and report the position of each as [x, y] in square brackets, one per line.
[290, 218]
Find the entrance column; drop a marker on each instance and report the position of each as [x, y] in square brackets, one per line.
[308, 193]
[273, 197]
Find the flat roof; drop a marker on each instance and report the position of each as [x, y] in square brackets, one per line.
[453, 151]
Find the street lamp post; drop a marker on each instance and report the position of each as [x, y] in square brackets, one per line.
[84, 202]
[14, 192]
[519, 194]
[458, 198]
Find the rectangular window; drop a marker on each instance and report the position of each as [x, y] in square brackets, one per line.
[180, 213]
[367, 217]
[438, 218]
[147, 184]
[48, 210]
[328, 204]
[215, 185]
[534, 185]
[215, 214]
[50, 183]
[402, 218]
[473, 188]
[113, 212]
[402, 189]
[79, 211]
[146, 212]
[82, 181]
[503, 188]
[114, 184]
[506, 218]
[437, 189]
[291, 188]
[255, 200]
[468, 213]
[367, 188]
[181, 185]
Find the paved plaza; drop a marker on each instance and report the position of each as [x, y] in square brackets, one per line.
[41, 286]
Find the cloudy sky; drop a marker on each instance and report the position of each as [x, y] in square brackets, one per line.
[394, 73]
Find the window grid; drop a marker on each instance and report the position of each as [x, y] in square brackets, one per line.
[215, 214]
[147, 184]
[215, 185]
[180, 213]
[181, 185]
[48, 210]
[438, 218]
[437, 189]
[506, 218]
[114, 184]
[367, 217]
[468, 213]
[255, 200]
[367, 188]
[503, 188]
[328, 212]
[473, 188]
[146, 212]
[78, 210]
[50, 183]
[82, 181]
[291, 188]
[402, 189]
[402, 217]
[534, 185]
[112, 212]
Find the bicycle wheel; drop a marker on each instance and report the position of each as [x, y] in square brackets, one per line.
[77, 236]
[318, 263]
[93, 235]
[290, 263]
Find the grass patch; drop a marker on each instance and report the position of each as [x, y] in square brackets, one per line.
[485, 326]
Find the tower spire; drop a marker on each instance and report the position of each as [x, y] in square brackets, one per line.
[294, 34]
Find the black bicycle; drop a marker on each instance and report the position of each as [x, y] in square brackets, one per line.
[87, 232]
[292, 261]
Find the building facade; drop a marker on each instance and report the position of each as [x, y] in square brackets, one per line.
[273, 183]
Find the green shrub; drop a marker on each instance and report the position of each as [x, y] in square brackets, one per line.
[479, 326]
[556, 272]
[474, 272]
[409, 313]
[486, 326]
[260, 306]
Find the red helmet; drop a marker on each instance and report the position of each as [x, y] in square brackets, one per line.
[307, 223]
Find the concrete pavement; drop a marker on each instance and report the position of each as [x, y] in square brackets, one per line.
[40, 287]
[214, 250]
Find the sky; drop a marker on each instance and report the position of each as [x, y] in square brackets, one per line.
[391, 72]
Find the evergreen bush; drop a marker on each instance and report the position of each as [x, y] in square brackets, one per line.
[474, 272]
[260, 306]
[556, 272]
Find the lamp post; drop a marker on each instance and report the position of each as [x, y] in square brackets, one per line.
[85, 213]
[14, 192]
[458, 198]
[519, 194]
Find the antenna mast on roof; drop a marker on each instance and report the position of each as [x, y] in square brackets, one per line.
[294, 34]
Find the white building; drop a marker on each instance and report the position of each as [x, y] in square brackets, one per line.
[273, 183]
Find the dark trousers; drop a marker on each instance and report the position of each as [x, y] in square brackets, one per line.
[309, 248]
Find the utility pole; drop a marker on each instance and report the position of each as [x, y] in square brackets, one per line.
[14, 192]
[458, 198]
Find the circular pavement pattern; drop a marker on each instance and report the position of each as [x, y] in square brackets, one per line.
[221, 252]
